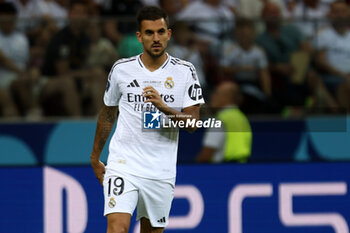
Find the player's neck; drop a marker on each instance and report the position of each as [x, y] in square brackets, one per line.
[153, 63]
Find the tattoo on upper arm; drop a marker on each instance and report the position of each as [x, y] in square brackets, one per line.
[109, 114]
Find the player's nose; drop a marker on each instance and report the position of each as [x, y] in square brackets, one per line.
[156, 37]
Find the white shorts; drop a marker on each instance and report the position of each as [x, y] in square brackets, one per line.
[153, 198]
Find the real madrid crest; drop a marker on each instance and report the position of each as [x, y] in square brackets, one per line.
[111, 203]
[169, 83]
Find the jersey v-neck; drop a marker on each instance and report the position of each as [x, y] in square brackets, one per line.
[155, 72]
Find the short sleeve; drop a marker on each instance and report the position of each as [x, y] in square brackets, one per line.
[112, 93]
[193, 89]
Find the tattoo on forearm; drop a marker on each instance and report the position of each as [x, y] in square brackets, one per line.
[105, 124]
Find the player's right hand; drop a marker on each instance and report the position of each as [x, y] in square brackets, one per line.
[99, 169]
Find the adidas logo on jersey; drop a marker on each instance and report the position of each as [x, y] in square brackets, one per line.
[133, 84]
[161, 220]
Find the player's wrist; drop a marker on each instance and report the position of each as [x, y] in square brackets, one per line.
[164, 108]
[94, 158]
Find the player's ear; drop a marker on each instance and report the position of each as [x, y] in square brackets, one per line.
[138, 35]
[170, 32]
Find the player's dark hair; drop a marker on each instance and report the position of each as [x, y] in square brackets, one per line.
[244, 22]
[151, 13]
[7, 8]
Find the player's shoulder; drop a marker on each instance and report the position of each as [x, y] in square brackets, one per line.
[180, 63]
[121, 64]
[124, 62]
[183, 66]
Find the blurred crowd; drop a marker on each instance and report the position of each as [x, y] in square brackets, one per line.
[288, 57]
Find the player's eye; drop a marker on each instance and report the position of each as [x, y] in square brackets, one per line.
[161, 31]
[148, 32]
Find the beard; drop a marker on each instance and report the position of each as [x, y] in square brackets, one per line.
[155, 55]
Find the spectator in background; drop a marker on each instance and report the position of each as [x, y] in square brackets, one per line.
[308, 9]
[246, 64]
[33, 90]
[252, 8]
[19, 77]
[101, 57]
[333, 53]
[39, 8]
[35, 9]
[307, 15]
[102, 53]
[39, 39]
[280, 42]
[122, 32]
[172, 7]
[114, 30]
[14, 55]
[233, 142]
[184, 46]
[211, 19]
[66, 57]
[70, 42]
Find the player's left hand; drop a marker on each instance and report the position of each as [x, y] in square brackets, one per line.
[99, 169]
[153, 97]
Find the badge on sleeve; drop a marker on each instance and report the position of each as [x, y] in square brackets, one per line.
[195, 92]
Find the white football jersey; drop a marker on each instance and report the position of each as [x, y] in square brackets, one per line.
[134, 149]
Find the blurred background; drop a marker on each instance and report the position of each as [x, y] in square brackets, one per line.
[276, 72]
